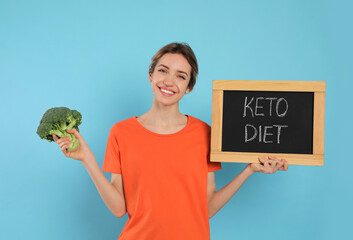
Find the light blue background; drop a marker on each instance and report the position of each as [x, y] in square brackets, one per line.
[94, 56]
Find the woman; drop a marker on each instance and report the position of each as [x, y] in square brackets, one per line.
[161, 173]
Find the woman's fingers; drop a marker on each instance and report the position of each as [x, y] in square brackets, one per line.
[63, 143]
[272, 164]
[63, 149]
[60, 140]
[285, 165]
[79, 137]
[266, 167]
[282, 164]
[262, 160]
[76, 134]
[277, 164]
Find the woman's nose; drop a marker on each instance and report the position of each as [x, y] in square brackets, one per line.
[168, 80]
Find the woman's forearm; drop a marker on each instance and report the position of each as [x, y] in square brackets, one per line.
[112, 197]
[222, 196]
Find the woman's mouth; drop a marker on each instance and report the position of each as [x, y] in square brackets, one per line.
[166, 92]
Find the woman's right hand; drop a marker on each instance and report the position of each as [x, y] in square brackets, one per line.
[82, 153]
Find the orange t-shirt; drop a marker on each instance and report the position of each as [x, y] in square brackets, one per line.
[164, 178]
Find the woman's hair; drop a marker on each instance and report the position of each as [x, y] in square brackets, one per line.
[186, 51]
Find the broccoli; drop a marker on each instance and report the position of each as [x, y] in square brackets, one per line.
[57, 121]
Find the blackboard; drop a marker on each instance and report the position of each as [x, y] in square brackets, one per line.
[285, 119]
[272, 122]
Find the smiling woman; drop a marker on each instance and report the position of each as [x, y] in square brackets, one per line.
[161, 172]
[184, 50]
[170, 79]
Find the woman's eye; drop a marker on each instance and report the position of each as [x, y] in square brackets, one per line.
[182, 77]
[161, 70]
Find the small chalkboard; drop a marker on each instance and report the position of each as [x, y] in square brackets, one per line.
[260, 118]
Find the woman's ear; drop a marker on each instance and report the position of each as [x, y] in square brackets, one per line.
[187, 90]
[150, 77]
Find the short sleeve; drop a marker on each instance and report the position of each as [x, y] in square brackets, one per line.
[213, 166]
[112, 162]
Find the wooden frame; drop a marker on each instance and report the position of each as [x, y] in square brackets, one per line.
[319, 89]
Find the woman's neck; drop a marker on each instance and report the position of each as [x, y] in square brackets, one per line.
[163, 118]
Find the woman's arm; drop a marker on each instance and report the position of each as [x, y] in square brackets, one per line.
[111, 193]
[217, 199]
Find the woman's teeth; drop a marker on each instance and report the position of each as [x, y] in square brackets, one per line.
[166, 91]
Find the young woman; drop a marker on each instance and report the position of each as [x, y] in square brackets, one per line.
[161, 173]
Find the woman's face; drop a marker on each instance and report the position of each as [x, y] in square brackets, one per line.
[170, 78]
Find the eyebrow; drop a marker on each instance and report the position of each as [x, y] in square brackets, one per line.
[168, 68]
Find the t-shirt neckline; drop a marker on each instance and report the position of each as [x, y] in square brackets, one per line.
[164, 135]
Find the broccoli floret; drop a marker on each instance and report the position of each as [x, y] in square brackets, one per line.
[57, 121]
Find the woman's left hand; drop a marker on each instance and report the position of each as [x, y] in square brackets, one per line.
[269, 165]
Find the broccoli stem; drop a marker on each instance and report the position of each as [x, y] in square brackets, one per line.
[75, 143]
[63, 126]
[72, 124]
[58, 133]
